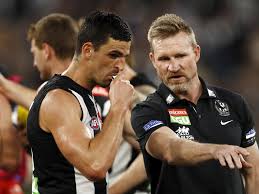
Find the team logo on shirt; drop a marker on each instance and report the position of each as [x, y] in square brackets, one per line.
[179, 116]
[222, 108]
[183, 132]
[94, 124]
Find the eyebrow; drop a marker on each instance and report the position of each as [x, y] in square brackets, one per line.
[116, 52]
[120, 54]
[163, 57]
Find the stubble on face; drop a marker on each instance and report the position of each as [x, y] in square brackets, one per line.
[180, 88]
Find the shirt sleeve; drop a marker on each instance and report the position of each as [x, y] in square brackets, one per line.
[145, 120]
[248, 128]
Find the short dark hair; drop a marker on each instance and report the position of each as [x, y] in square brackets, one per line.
[57, 30]
[99, 26]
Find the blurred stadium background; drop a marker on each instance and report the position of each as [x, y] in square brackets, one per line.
[227, 31]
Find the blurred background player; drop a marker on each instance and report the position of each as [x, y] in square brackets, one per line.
[15, 163]
[52, 41]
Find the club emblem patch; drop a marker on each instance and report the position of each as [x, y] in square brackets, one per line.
[179, 116]
[94, 124]
[222, 108]
[183, 132]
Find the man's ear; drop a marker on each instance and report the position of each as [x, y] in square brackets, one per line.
[197, 51]
[87, 49]
[152, 58]
[47, 50]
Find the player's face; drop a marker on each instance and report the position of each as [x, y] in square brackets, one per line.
[174, 59]
[109, 60]
[40, 60]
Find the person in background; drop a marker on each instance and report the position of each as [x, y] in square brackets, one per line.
[195, 138]
[10, 152]
[15, 165]
[52, 41]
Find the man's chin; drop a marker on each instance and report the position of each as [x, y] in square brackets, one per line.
[105, 84]
[179, 88]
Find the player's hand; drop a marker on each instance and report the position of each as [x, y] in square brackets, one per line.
[121, 92]
[231, 156]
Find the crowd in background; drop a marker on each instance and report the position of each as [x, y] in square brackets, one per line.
[227, 31]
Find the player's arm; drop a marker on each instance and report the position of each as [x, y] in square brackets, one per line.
[9, 146]
[60, 114]
[16, 92]
[165, 145]
[141, 93]
[128, 132]
[251, 175]
[131, 177]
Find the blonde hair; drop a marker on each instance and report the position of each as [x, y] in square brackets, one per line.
[169, 25]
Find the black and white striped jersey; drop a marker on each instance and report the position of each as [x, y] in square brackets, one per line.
[52, 173]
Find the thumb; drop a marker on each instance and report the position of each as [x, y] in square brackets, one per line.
[244, 162]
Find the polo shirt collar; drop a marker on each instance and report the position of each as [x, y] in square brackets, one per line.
[170, 97]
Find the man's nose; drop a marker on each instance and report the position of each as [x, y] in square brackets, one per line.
[120, 63]
[173, 66]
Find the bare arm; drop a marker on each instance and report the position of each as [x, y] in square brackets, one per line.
[251, 175]
[141, 93]
[164, 144]
[130, 178]
[16, 92]
[10, 148]
[128, 132]
[60, 114]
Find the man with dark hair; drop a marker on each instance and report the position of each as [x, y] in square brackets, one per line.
[195, 138]
[72, 151]
[99, 28]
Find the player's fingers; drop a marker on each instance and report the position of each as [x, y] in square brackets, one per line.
[222, 160]
[237, 160]
[229, 161]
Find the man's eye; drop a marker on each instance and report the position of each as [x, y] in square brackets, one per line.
[113, 55]
[180, 56]
[163, 58]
